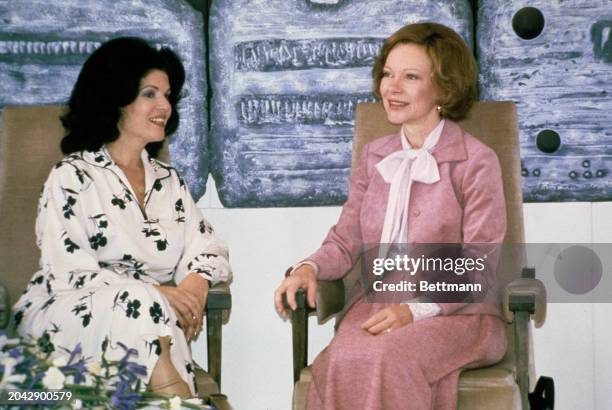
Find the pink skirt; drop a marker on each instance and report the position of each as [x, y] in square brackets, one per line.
[414, 367]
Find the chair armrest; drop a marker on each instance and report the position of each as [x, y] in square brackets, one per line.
[5, 307]
[218, 306]
[330, 300]
[220, 298]
[526, 294]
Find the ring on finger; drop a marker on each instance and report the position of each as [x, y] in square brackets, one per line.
[388, 330]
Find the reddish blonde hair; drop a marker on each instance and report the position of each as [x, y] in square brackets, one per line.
[454, 67]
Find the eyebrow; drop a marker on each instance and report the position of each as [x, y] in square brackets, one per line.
[152, 86]
[403, 69]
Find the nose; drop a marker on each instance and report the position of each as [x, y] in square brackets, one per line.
[163, 104]
[393, 85]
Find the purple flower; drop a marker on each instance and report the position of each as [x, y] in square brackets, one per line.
[76, 352]
[15, 353]
[123, 398]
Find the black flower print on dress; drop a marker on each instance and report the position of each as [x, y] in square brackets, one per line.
[128, 266]
[100, 224]
[180, 210]
[157, 314]
[48, 303]
[130, 306]
[206, 264]
[44, 343]
[152, 229]
[205, 228]
[69, 244]
[154, 347]
[70, 202]
[78, 279]
[84, 306]
[82, 175]
[121, 200]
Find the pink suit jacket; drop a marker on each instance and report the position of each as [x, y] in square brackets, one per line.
[465, 206]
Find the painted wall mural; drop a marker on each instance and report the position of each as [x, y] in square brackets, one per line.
[286, 77]
[554, 58]
[43, 45]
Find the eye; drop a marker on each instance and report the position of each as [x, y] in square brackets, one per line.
[386, 74]
[411, 77]
[148, 93]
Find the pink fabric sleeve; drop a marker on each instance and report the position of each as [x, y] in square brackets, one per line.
[343, 243]
[484, 206]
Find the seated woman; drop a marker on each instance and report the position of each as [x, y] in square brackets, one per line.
[430, 183]
[114, 223]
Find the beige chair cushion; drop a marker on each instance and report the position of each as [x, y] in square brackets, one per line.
[29, 148]
[485, 388]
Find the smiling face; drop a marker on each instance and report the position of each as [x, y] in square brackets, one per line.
[407, 89]
[144, 120]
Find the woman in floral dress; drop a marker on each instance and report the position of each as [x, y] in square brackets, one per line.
[114, 223]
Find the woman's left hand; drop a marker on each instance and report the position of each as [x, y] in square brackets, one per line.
[198, 287]
[388, 319]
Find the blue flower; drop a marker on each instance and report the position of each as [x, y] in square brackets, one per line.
[123, 398]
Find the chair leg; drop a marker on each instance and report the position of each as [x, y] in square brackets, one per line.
[521, 348]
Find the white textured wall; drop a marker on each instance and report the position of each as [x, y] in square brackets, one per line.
[574, 345]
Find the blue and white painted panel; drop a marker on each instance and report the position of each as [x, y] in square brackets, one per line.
[554, 58]
[286, 76]
[44, 43]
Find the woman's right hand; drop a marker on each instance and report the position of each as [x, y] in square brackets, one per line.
[303, 277]
[188, 308]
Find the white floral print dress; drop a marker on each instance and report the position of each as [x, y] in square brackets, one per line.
[101, 256]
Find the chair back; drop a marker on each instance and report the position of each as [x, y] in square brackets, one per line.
[495, 124]
[29, 148]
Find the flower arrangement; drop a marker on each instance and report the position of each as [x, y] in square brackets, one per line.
[28, 365]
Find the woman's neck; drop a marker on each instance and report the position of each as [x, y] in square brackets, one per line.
[125, 154]
[418, 133]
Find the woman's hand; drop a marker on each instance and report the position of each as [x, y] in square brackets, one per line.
[188, 299]
[388, 319]
[303, 277]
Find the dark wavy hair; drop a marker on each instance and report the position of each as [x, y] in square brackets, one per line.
[110, 80]
[454, 67]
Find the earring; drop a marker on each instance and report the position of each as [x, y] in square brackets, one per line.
[439, 108]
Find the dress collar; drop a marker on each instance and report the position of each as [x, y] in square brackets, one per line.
[153, 169]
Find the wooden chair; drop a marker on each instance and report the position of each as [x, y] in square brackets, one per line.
[29, 147]
[502, 386]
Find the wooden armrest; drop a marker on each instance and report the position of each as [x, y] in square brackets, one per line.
[526, 294]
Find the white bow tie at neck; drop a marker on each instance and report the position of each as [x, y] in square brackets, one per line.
[401, 169]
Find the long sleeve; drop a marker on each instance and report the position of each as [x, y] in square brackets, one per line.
[203, 253]
[484, 212]
[65, 234]
[343, 243]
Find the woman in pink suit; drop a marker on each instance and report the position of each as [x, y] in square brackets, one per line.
[430, 183]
